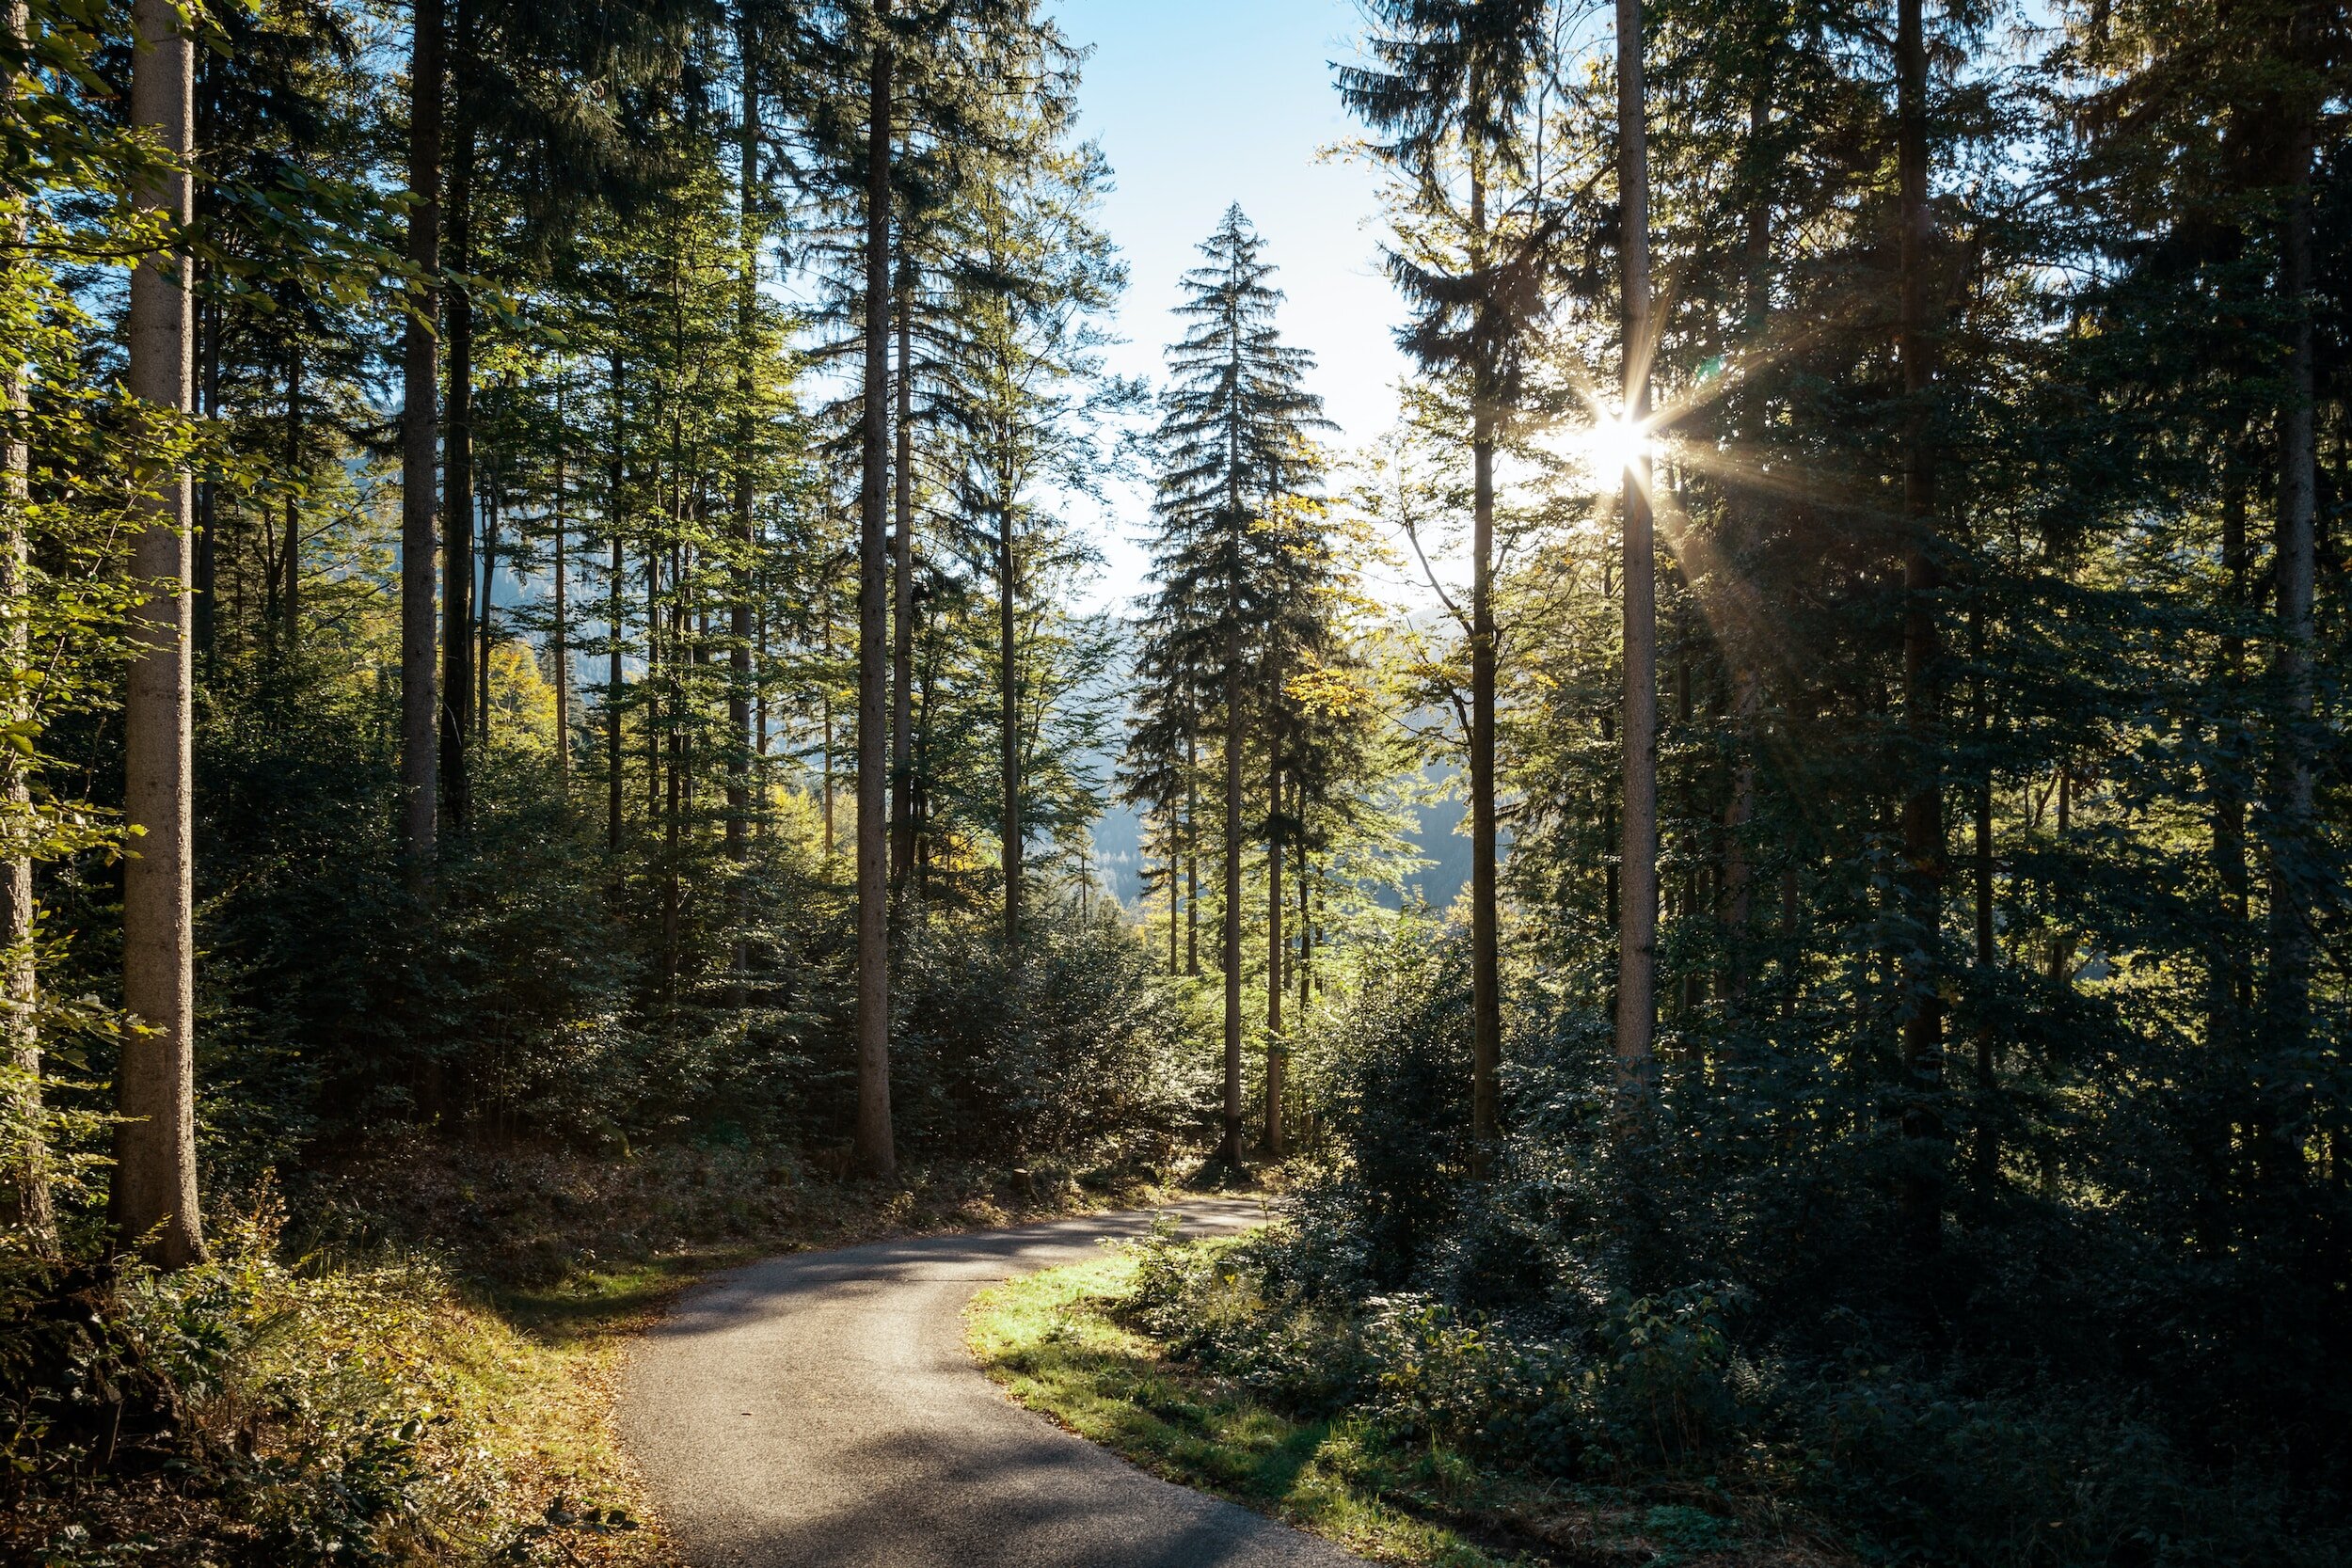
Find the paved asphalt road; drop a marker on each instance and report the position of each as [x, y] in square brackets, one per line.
[821, 1409]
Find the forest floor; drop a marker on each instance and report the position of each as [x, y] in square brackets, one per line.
[1058, 1343]
[559, 1261]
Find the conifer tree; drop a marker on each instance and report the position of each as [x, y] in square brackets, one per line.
[1234, 443]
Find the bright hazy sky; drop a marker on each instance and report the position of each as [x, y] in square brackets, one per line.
[1201, 104]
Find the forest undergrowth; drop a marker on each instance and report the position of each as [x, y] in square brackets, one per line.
[413, 1357]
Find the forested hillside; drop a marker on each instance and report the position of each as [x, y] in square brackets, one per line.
[555, 640]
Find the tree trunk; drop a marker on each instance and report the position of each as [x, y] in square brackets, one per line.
[487, 614]
[457, 500]
[902, 598]
[873, 1151]
[1923, 695]
[207, 497]
[2287, 1005]
[562, 628]
[2232, 981]
[1277, 1049]
[289, 607]
[1228, 1147]
[420, 447]
[616, 519]
[24, 1197]
[1988, 1150]
[1486, 938]
[1192, 847]
[1175, 961]
[1008, 715]
[739, 750]
[825, 707]
[153, 1199]
[1637, 935]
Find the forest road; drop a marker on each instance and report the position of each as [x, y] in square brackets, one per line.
[821, 1409]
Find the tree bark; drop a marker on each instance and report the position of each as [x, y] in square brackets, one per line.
[1486, 937]
[902, 598]
[872, 1149]
[562, 628]
[24, 1197]
[486, 615]
[457, 498]
[1192, 847]
[739, 846]
[1229, 1148]
[1277, 1049]
[289, 607]
[2232, 980]
[2288, 1004]
[420, 447]
[1924, 849]
[1637, 934]
[616, 514]
[153, 1199]
[1008, 713]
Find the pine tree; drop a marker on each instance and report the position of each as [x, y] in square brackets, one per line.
[1235, 442]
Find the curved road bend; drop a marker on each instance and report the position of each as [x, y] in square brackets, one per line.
[822, 1410]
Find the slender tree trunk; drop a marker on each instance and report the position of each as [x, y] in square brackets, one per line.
[873, 1151]
[562, 628]
[1486, 937]
[1192, 847]
[457, 499]
[207, 497]
[420, 447]
[1988, 1150]
[902, 596]
[2233, 972]
[1637, 935]
[1276, 1048]
[1923, 696]
[1228, 952]
[289, 607]
[488, 615]
[153, 1199]
[1175, 962]
[2287, 1005]
[616, 517]
[658, 674]
[1009, 713]
[24, 1197]
[739, 750]
[825, 704]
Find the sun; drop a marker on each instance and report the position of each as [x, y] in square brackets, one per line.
[1610, 448]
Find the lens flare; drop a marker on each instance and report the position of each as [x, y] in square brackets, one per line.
[1612, 447]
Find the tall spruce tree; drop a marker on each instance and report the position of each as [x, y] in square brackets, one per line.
[1234, 443]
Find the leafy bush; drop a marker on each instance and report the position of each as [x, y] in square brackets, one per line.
[241, 1411]
[1724, 1307]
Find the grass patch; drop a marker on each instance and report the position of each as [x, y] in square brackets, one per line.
[1054, 1342]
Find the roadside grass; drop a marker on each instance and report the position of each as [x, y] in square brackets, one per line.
[1053, 1341]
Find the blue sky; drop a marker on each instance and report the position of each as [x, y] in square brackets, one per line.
[1201, 104]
